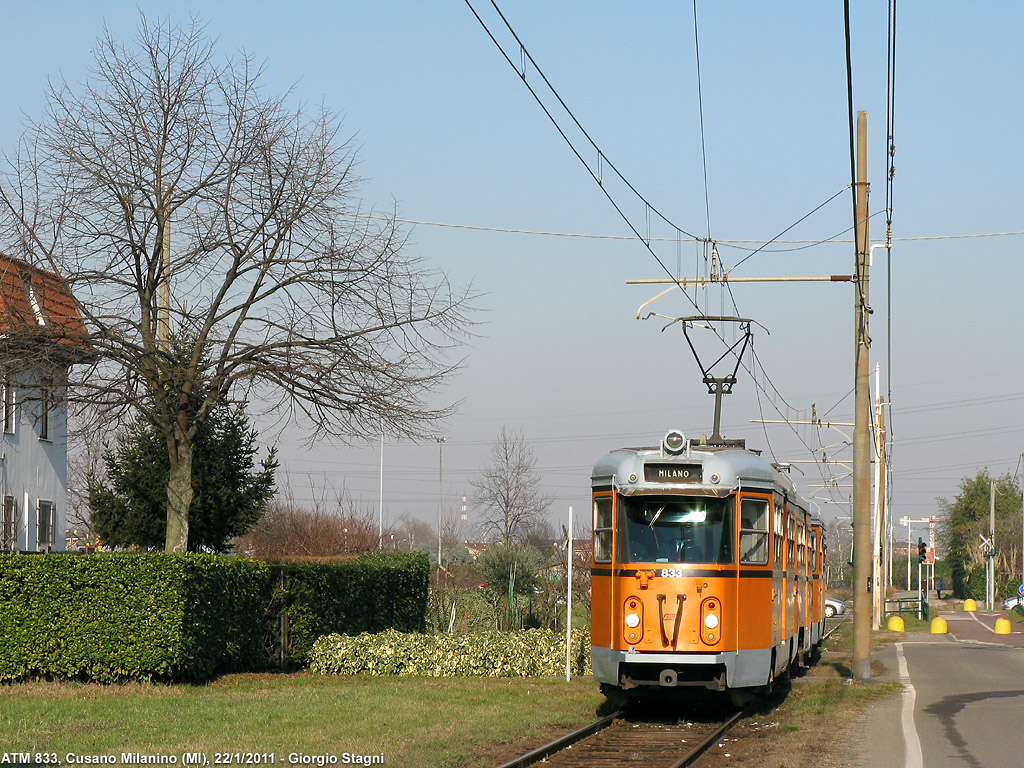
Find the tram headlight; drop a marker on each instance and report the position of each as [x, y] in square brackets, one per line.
[674, 442]
[633, 619]
[711, 620]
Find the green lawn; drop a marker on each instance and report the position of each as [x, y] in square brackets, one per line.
[412, 721]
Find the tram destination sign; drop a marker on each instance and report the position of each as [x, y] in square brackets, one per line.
[673, 473]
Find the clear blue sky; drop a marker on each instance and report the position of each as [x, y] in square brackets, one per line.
[448, 134]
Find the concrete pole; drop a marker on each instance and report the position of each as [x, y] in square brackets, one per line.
[880, 576]
[990, 592]
[910, 543]
[878, 519]
[440, 500]
[861, 432]
[568, 601]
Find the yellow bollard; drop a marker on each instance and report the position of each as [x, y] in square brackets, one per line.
[895, 624]
[1002, 626]
[939, 626]
[970, 605]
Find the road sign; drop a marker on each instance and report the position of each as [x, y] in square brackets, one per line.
[1020, 590]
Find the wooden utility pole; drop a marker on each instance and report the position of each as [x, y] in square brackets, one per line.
[862, 416]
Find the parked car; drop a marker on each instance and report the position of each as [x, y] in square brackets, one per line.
[1012, 602]
[834, 607]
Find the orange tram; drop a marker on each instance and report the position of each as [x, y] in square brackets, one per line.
[707, 570]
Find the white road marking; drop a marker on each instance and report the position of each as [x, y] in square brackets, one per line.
[986, 626]
[912, 757]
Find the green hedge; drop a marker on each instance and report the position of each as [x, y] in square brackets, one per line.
[528, 653]
[130, 616]
[189, 617]
[368, 594]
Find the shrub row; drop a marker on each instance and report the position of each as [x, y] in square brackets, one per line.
[530, 653]
[110, 617]
[367, 594]
[189, 617]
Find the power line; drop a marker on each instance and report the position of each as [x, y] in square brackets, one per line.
[633, 238]
[700, 110]
[802, 218]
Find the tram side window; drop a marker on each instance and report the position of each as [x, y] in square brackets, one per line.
[753, 531]
[778, 534]
[790, 546]
[603, 530]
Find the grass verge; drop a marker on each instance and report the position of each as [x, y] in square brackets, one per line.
[414, 722]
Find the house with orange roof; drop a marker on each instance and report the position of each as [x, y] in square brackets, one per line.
[41, 336]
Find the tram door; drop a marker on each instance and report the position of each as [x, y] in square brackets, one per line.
[778, 573]
[602, 597]
[800, 574]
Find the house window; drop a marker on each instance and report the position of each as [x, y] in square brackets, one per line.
[8, 523]
[7, 407]
[45, 522]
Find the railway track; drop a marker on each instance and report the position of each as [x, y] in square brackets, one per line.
[616, 741]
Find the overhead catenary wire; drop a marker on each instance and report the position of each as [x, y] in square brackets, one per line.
[597, 175]
[602, 158]
[890, 173]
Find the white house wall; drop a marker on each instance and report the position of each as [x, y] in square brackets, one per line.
[32, 468]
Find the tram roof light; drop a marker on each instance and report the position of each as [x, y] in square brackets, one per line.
[674, 442]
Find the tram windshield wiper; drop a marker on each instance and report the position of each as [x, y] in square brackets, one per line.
[653, 521]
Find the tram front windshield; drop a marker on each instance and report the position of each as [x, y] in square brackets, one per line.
[671, 529]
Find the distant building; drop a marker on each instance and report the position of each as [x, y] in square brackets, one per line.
[41, 336]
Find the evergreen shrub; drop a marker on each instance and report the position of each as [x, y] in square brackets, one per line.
[526, 653]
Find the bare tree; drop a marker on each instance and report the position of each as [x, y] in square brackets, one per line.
[320, 530]
[276, 288]
[509, 492]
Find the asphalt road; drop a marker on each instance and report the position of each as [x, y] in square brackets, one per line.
[962, 704]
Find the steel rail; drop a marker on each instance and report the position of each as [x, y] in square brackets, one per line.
[837, 626]
[545, 751]
[699, 749]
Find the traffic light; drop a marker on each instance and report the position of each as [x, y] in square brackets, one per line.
[922, 551]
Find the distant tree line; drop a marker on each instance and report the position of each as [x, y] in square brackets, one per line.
[968, 519]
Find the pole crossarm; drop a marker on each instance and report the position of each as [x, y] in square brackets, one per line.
[683, 282]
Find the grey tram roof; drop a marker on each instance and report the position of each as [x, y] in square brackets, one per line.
[736, 469]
